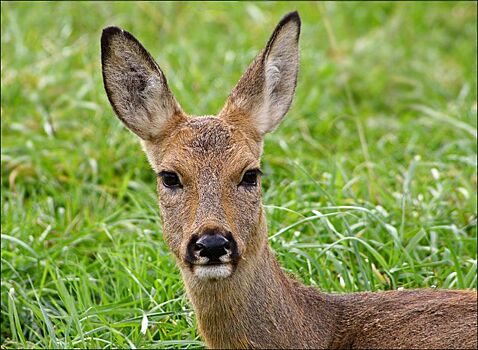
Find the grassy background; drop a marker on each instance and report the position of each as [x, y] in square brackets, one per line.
[370, 181]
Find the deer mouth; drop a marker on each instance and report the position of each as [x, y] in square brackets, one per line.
[205, 269]
[215, 271]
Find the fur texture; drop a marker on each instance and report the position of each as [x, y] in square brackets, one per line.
[250, 302]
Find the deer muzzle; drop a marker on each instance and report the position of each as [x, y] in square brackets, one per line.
[212, 254]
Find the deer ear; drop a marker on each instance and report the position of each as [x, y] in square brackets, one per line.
[264, 93]
[136, 87]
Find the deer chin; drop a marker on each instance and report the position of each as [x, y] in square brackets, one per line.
[213, 272]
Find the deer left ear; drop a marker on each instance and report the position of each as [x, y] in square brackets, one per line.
[264, 93]
[136, 86]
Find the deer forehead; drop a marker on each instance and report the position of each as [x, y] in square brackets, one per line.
[203, 143]
[207, 136]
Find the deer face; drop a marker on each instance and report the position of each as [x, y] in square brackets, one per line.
[208, 167]
[209, 193]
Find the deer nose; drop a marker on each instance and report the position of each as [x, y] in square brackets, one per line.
[212, 246]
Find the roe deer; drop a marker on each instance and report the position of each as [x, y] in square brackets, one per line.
[209, 189]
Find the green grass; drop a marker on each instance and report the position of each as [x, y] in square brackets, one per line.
[370, 180]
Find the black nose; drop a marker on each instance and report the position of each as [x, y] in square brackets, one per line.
[212, 246]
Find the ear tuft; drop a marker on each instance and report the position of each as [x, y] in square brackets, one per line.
[106, 38]
[136, 87]
[290, 18]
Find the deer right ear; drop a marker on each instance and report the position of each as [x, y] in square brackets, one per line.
[264, 93]
[136, 87]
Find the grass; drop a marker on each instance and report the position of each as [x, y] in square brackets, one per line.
[370, 180]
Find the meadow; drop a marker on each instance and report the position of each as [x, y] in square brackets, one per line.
[370, 181]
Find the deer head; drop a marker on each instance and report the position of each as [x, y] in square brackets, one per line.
[208, 167]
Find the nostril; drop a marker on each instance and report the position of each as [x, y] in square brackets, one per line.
[205, 253]
[198, 246]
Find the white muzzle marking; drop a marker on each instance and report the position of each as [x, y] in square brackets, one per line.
[208, 272]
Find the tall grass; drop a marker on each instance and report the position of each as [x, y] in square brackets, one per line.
[370, 181]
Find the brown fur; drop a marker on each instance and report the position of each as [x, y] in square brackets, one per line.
[257, 305]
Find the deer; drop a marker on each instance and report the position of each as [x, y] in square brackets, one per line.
[213, 221]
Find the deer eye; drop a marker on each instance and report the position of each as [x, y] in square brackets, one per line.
[170, 179]
[250, 178]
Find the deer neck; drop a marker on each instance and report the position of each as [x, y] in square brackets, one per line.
[257, 306]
